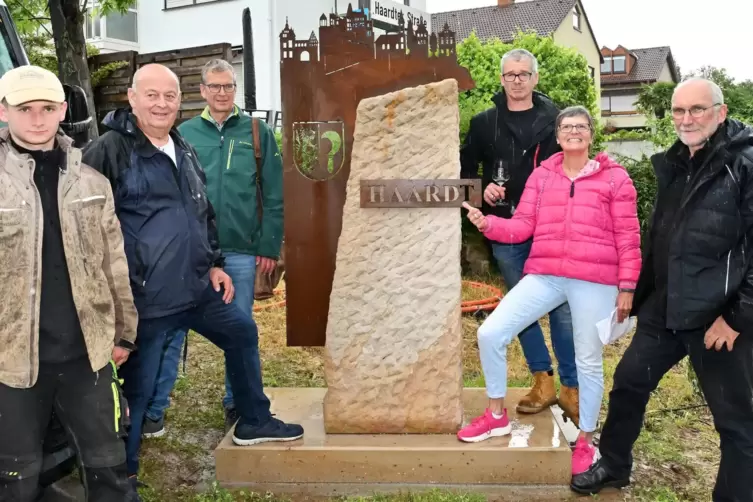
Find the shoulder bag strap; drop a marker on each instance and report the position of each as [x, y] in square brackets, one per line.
[257, 154]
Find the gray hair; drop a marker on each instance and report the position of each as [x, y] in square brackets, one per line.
[216, 66]
[517, 55]
[717, 96]
[574, 111]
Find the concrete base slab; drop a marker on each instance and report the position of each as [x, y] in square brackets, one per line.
[535, 457]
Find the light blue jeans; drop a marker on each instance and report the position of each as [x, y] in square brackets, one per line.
[511, 259]
[242, 270]
[528, 301]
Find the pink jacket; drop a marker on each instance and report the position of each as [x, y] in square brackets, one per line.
[583, 229]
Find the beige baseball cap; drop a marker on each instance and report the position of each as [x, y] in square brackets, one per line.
[30, 83]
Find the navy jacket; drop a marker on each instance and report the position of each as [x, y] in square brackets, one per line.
[167, 221]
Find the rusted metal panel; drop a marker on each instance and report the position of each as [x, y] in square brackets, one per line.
[323, 80]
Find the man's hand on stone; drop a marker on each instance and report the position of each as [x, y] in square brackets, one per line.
[493, 193]
[476, 217]
[218, 276]
[720, 334]
[265, 265]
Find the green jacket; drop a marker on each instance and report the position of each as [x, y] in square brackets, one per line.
[227, 155]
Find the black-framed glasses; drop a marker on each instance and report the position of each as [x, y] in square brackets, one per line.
[566, 128]
[523, 77]
[695, 111]
[215, 88]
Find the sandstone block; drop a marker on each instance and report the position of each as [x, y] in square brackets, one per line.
[393, 360]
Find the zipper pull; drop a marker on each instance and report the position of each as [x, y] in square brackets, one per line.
[572, 189]
[222, 141]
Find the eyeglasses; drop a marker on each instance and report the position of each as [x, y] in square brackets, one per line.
[696, 111]
[523, 77]
[577, 127]
[215, 88]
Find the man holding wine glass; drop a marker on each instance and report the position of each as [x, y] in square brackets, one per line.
[509, 140]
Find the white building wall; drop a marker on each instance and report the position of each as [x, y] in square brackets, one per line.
[207, 23]
[211, 22]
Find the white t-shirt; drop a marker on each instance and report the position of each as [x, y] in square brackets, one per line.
[169, 149]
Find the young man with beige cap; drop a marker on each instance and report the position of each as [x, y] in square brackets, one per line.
[67, 315]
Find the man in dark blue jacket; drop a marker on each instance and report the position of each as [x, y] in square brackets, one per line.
[174, 259]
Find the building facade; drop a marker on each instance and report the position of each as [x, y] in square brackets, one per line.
[162, 25]
[623, 73]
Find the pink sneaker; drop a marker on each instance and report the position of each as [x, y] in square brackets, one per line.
[484, 427]
[584, 455]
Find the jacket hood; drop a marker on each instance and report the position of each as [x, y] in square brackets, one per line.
[739, 135]
[540, 102]
[602, 159]
[121, 120]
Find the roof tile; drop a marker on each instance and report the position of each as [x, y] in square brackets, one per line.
[647, 68]
[543, 16]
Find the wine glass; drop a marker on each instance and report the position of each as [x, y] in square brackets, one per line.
[500, 177]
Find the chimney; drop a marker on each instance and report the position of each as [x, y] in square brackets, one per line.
[504, 3]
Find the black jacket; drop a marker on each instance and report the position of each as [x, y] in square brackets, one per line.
[167, 221]
[491, 137]
[709, 265]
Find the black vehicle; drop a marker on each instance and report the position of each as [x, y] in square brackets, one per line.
[59, 458]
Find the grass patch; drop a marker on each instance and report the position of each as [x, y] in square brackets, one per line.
[676, 456]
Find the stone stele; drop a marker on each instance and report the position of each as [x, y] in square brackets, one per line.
[393, 356]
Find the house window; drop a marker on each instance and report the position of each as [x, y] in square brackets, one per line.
[618, 64]
[114, 26]
[122, 26]
[606, 66]
[92, 26]
[576, 18]
[592, 72]
[624, 104]
[407, 3]
[605, 104]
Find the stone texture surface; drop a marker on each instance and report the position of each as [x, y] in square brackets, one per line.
[394, 343]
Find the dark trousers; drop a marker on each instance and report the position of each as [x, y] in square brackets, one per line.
[88, 406]
[726, 379]
[226, 326]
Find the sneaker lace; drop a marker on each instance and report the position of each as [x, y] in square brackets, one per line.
[483, 419]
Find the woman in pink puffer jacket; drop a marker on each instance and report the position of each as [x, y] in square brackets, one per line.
[582, 215]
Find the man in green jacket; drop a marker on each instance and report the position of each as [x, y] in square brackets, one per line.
[223, 139]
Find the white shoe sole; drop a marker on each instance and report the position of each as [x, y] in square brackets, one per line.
[158, 434]
[499, 431]
[251, 442]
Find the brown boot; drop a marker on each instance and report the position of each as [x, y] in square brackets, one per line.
[541, 396]
[568, 401]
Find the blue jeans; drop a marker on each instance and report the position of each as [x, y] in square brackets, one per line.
[242, 270]
[511, 259]
[531, 298]
[224, 325]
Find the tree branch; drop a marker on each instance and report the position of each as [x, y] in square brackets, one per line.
[33, 17]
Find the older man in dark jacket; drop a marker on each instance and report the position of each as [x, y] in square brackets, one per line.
[695, 293]
[173, 256]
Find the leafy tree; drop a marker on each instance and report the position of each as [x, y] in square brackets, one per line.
[656, 99]
[63, 21]
[563, 74]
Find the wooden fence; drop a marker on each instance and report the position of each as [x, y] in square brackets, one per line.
[112, 91]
